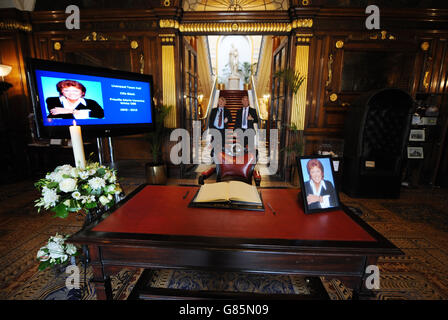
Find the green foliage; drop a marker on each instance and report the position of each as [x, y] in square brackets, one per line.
[293, 79]
[156, 136]
[247, 70]
[296, 147]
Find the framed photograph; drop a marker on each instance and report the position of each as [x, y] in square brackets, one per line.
[416, 120]
[319, 192]
[417, 135]
[415, 152]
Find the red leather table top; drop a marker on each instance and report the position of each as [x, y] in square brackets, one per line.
[162, 210]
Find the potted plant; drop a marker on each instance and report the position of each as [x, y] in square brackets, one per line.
[247, 70]
[156, 169]
[293, 79]
[294, 149]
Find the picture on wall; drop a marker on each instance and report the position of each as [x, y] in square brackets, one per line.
[417, 135]
[319, 192]
[415, 152]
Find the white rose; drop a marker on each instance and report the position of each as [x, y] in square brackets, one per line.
[67, 185]
[55, 176]
[104, 200]
[92, 172]
[70, 249]
[65, 169]
[42, 255]
[55, 247]
[97, 183]
[74, 172]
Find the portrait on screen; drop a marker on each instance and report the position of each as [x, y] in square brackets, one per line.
[72, 99]
[317, 183]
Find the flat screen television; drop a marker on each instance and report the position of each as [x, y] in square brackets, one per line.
[102, 101]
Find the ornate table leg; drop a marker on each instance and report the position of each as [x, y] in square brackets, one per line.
[101, 281]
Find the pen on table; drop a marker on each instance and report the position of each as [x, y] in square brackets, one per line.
[271, 208]
[186, 194]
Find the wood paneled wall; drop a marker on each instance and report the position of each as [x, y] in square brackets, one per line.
[134, 36]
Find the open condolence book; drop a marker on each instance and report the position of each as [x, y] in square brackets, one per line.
[228, 195]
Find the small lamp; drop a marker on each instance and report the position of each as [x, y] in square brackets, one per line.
[4, 71]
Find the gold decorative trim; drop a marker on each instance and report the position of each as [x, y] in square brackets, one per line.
[298, 108]
[305, 2]
[339, 44]
[383, 35]
[94, 36]
[333, 97]
[302, 23]
[303, 38]
[134, 44]
[424, 46]
[235, 27]
[166, 3]
[167, 39]
[169, 84]
[15, 25]
[57, 46]
[142, 63]
[330, 71]
[169, 23]
[426, 80]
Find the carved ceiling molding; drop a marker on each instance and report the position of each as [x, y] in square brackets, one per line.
[15, 25]
[232, 27]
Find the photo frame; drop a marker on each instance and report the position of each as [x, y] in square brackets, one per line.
[319, 194]
[417, 135]
[415, 153]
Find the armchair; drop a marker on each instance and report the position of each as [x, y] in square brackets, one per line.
[376, 131]
[233, 168]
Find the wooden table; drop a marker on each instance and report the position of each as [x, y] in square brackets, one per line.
[154, 228]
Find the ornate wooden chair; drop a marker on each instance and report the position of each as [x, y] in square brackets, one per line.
[230, 167]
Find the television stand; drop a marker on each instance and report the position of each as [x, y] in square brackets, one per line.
[102, 152]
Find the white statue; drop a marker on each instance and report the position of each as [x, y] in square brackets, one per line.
[233, 61]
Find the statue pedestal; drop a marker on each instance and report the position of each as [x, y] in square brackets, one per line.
[234, 83]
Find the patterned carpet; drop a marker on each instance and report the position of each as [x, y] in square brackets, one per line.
[416, 223]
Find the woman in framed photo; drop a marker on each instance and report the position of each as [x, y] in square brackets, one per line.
[320, 193]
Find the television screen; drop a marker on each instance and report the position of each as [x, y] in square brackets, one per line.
[104, 102]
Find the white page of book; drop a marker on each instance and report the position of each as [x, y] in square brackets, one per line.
[213, 192]
[240, 191]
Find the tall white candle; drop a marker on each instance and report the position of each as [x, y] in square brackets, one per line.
[77, 145]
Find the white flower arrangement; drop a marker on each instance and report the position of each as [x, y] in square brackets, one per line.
[68, 189]
[55, 252]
